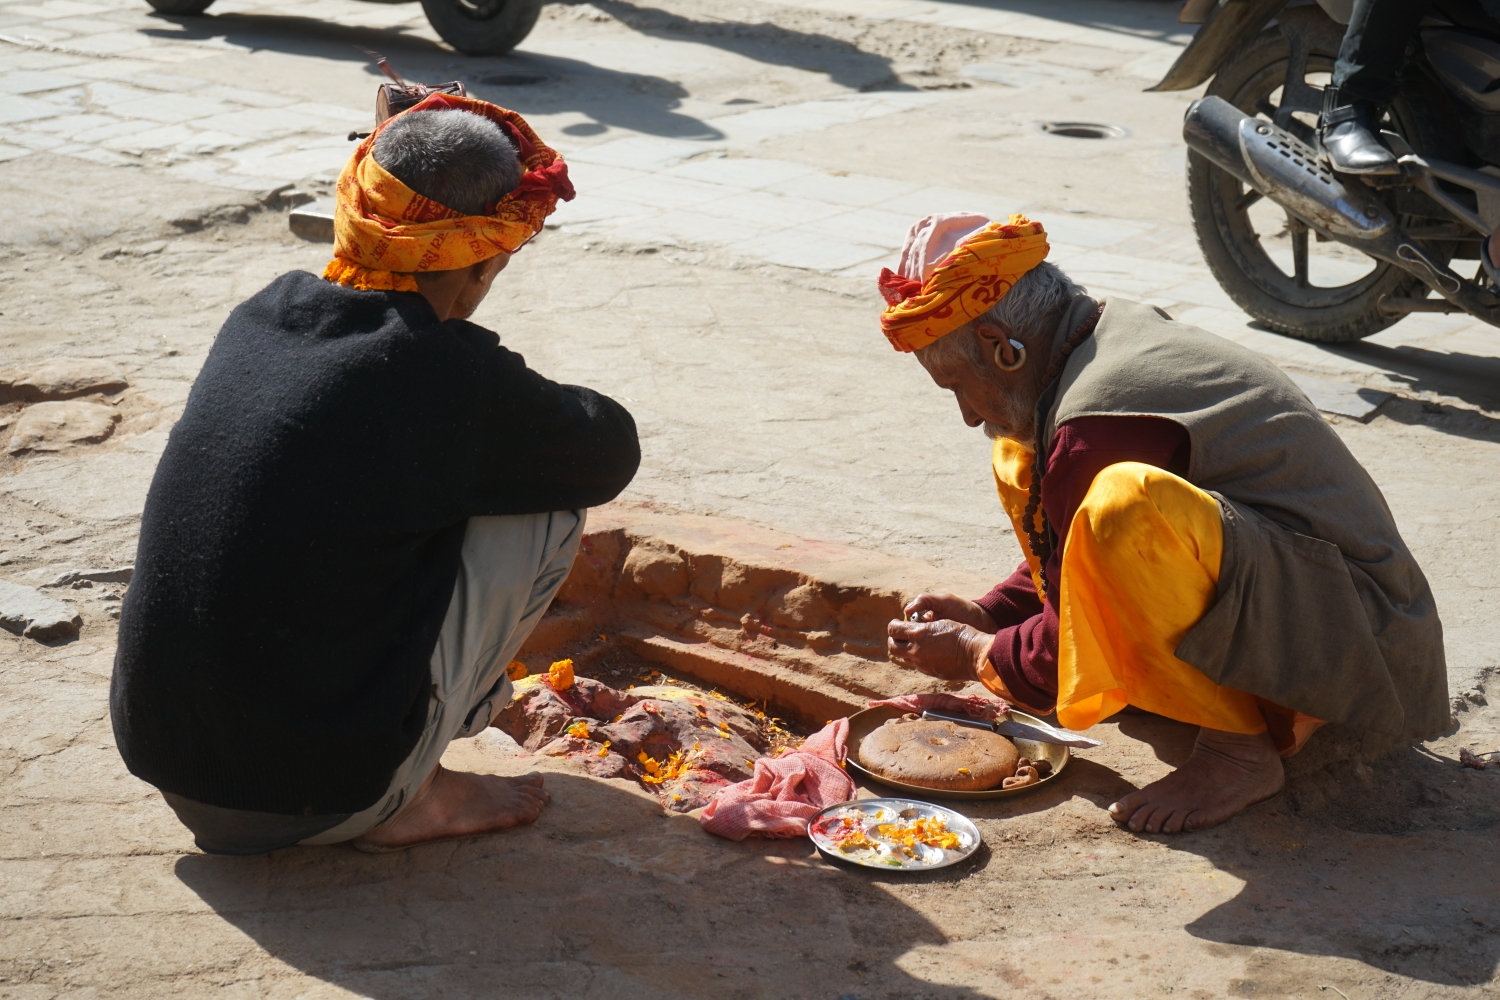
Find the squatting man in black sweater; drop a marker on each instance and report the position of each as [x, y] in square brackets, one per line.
[365, 509]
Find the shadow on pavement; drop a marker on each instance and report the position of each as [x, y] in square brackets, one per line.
[1474, 379]
[294, 35]
[1347, 862]
[844, 62]
[629, 101]
[634, 101]
[1138, 18]
[1448, 419]
[1391, 866]
[605, 897]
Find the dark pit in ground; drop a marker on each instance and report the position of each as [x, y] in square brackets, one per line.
[1083, 130]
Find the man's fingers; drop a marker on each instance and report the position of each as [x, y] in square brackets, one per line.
[927, 607]
[902, 631]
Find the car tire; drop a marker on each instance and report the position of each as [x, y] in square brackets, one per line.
[180, 8]
[482, 27]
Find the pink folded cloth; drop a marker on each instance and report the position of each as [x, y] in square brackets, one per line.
[786, 791]
[973, 705]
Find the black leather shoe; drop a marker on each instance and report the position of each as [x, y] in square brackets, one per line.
[1348, 130]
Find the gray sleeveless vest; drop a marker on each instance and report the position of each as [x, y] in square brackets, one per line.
[1321, 608]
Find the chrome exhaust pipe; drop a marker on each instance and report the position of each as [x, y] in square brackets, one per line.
[1285, 169]
[1211, 129]
[1289, 172]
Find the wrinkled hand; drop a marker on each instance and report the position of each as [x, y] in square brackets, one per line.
[936, 607]
[944, 649]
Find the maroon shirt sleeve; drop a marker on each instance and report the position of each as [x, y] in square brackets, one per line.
[1012, 600]
[1024, 651]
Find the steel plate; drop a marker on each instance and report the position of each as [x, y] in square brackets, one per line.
[872, 812]
[861, 723]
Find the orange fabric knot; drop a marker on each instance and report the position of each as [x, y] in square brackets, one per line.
[968, 282]
[384, 231]
[365, 280]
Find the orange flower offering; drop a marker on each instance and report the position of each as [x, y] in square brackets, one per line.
[580, 729]
[604, 749]
[658, 772]
[516, 670]
[856, 841]
[560, 675]
[932, 832]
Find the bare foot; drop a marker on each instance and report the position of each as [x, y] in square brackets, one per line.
[1226, 774]
[452, 804]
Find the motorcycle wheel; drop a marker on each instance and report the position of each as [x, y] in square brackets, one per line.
[482, 27]
[1243, 255]
[181, 8]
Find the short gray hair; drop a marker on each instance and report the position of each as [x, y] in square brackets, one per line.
[457, 158]
[1034, 305]
[1031, 311]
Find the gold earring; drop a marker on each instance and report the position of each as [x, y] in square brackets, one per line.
[1020, 356]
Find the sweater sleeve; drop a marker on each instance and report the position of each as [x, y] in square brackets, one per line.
[1023, 654]
[540, 445]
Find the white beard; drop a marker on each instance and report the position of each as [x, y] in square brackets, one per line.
[995, 432]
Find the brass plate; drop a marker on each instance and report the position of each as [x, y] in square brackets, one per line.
[863, 722]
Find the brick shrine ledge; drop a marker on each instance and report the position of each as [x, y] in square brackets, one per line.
[761, 613]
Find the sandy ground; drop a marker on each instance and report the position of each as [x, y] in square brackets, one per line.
[764, 392]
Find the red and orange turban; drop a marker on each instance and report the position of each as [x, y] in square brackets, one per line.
[384, 231]
[948, 278]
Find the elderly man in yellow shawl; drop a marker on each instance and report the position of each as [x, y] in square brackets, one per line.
[365, 509]
[1198, 542]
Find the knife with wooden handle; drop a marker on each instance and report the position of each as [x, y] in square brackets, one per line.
[1040, 733]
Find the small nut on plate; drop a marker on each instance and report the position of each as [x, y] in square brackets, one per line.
[1024, 776]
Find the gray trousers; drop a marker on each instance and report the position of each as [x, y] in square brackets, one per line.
[511, 568]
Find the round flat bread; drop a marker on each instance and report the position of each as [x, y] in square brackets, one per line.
[938, 755]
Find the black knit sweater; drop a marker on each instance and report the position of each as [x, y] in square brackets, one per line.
[301, 539]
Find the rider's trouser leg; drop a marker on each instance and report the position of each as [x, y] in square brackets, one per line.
[1374, 48]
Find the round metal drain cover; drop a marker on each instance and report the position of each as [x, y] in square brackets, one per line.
[515, 78]
[1084, 130]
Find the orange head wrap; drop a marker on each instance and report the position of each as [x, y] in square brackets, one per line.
[384, 231]
[931, 298]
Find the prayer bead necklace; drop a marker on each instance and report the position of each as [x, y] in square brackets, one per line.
[1038, 530]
